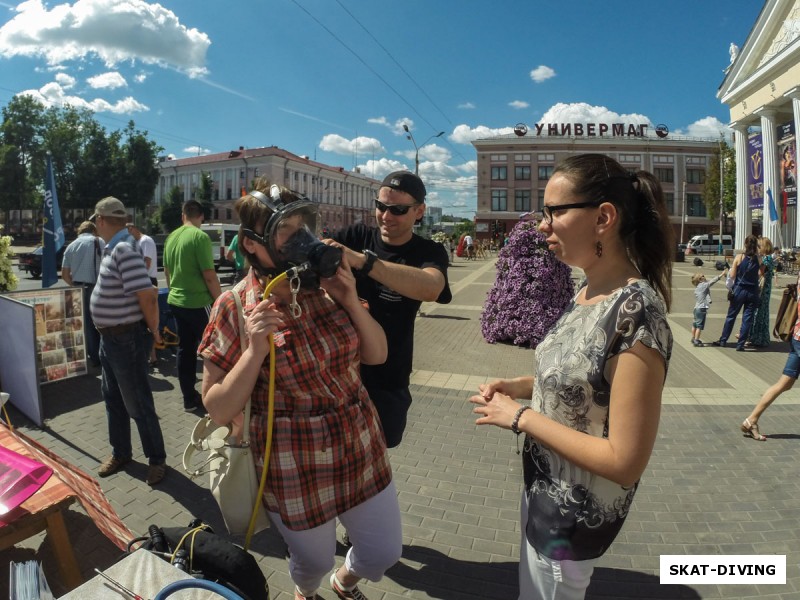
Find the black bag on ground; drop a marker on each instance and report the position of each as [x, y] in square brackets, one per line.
[203, 554]
[698, 262]
[721, 265]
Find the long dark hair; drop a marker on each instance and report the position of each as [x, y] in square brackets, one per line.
[644, 224]
[750, 245]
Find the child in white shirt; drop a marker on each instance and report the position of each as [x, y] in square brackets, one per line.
[702, 302]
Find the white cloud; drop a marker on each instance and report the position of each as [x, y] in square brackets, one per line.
[580, 112]
[140, 78]
[360, 145]
[518, 104]
[396, 127]
[113, 30]
[53, 94]
[708, 127]
[196, 150]
[542, 73]
[464, 134]
[65, 81]
[380, 168]
[466, 105]
[110, 81]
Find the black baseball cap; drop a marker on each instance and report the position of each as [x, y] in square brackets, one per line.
[406, 181]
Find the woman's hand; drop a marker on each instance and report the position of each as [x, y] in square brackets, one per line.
[495, 409]
[342, 286]
[263, 320]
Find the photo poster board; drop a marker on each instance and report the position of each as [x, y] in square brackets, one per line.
[60, 343]
[787, 162]
[18, 360]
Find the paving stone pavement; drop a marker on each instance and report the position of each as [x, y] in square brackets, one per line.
[707, 489]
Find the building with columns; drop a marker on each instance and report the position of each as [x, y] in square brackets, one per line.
[345, 197]
[761, 87]
[513, 171]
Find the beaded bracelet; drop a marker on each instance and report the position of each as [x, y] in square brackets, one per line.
[515, 422]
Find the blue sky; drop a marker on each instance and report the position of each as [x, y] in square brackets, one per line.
[337, 79]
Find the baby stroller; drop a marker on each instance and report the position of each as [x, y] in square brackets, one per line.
[167, 325]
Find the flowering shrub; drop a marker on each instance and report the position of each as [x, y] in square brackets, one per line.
[8, 281]
[441, 237]
[530, 292]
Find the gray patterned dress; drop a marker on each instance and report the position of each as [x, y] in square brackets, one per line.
[574, 514]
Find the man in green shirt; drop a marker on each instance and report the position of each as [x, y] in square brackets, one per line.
[193, 286]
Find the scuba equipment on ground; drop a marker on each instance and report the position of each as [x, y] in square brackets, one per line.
[201, 553]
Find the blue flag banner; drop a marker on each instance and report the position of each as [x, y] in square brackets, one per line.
[52, 231]
[773, 213]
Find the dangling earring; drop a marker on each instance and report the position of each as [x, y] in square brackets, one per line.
[598, 249]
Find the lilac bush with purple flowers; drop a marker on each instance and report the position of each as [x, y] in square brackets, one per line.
[530, 292]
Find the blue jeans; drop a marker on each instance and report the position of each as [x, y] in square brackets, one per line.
[127, 395]
[92, 337]
[748, 299]
[191, 325]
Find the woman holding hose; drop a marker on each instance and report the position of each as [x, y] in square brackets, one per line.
[328, 457]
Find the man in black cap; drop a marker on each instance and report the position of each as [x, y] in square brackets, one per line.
[396, 270]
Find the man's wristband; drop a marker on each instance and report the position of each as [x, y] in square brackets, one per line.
[515, 422]
[371, 258]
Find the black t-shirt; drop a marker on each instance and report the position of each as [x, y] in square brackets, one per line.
[395, 313]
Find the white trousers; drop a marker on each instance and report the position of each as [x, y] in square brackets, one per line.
[542, 578]
[375, 532]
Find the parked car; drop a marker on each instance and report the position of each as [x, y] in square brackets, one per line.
[32, 261]
[221, 235]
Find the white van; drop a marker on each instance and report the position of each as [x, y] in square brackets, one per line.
[221, 235]
[708, 244]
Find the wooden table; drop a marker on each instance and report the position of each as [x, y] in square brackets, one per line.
[42, 511]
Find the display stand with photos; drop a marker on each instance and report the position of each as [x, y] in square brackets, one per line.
[42, 342]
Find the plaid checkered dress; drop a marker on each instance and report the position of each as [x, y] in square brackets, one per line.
[328, 452]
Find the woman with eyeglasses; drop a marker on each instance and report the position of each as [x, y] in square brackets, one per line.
[590, 413]
[328, 458]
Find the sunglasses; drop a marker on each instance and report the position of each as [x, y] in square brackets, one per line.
[549, 210]
[396, 209]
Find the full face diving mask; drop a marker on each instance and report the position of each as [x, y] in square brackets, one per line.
[303, 246]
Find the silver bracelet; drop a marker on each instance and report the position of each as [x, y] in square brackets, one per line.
[515, 422]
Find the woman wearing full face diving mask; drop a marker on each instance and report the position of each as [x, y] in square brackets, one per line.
[328, 457]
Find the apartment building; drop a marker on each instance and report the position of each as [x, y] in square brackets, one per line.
[513, 170]
[345, 197]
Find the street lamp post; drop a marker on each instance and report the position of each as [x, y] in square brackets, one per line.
[416, 148]
[721, 194]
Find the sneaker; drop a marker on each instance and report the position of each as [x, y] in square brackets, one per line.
[299, 596]
[112, 465]
[354, 594]
[696, 342]
[155, 473]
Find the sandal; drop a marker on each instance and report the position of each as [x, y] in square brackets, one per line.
[751, 430]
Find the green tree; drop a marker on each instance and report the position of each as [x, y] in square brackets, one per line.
[63, 137]
[99, 164]
[205, 194]
[21, 135]
[711, 189]
[170, 213]
[465, 226]
[139, 174]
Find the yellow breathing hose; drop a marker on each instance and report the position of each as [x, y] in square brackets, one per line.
[270, 416]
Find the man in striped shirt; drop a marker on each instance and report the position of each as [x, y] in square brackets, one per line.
[125, 310]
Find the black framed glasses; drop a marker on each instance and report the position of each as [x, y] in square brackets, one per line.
[549, 210]
[396, 209]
